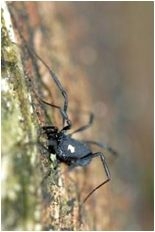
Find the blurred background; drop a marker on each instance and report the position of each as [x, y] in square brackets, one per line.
[105, 59]
[113, 43]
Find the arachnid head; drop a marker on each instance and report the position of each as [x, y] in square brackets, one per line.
[51, 132]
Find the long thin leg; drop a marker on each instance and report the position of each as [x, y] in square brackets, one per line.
[63, 114]
[91, 119]
[56, 80]
[106, 171]
[102, 145]
[53, 75]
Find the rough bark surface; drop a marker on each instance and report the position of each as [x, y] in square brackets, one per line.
[36, 196]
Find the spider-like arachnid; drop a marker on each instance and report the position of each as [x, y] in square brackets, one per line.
[68, 150]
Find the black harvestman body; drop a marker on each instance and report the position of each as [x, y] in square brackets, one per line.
[70, 151]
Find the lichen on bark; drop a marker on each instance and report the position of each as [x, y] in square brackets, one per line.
[20, 195]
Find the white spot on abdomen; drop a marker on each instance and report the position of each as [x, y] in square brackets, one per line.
[71, 148]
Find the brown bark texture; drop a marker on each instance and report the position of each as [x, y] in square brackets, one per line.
[38, 192]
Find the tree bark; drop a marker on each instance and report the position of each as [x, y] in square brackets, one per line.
[39, 195]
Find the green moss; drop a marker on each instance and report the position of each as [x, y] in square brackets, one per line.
[20, 174]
